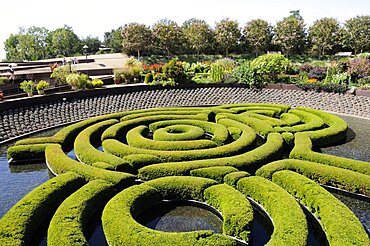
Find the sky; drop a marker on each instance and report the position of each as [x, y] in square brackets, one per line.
[93, 17]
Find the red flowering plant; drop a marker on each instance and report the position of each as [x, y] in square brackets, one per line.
[152, 68]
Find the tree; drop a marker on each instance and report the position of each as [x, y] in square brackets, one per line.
[198, 35]
[324, 36]
[168, 36]
[257, 36]
[113, 40]
[356, 34]
[136, 38]
[29, 44]
[93, 43]
[227, 34]
[64, 42]
[290, 34]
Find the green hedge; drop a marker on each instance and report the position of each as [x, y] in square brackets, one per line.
[248, 161]
[311, 122]
[246, 106]
[59, 163]
[245, 142]
[178, 133]
[19, 224]
[182, 188]
[340, 224]
[88, 154]
[290, 119]
[121, 228]
[233, 178]
[323, 174]
[290, 225]
[336, 131]
[69, 221]
[215, 173]
[237, 212]
[303, 151]
[27, 152]
[138, 161]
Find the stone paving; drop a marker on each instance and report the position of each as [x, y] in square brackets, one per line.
[16, 122]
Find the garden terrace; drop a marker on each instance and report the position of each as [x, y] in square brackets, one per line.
[208, 153]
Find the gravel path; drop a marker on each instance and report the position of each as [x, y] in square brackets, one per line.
[16, 122]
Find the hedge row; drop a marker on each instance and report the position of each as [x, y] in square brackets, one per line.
[248, 161]
[121, 228]
[136, 138]
[290, 225]
[237, 212]
[218, 131]
[336, 131]
[20, 223]
[323, 174]
[261, 115]
[71, 218]
[118, 131]
[303, 150]
[165, 111]
[311, 122]
[215, 173]
[58, 162]
[339, 223]
[26, 152]
[88, 154]
[178, 133]
[245, 142]
[247, 106]
[233, 178]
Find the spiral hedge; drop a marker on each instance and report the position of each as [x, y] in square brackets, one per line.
[224, 156]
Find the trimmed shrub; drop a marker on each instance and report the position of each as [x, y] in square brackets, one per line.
[178, 133]
[311, 122]
[26, 152]
[323, 174]
[138, 161]
[59, 163]
[121, 228]
[236, 210]
[248, 161]
[269, 66]
[290, 225]
[303, 151]
[20, 223]
[233, 178]
[215, 173]
[341, 226]
[69, 221]
[182, 188]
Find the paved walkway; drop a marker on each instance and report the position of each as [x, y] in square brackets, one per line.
[16, 122]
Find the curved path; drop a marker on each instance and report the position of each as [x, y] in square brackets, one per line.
[18, 121]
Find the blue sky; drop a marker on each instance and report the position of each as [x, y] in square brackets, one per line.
[95, 17]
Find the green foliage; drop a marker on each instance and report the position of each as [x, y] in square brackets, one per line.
[245, 73]
[168, 36]
[227, 35]
[233, 178]
[356, 33]
[199, 35]
[323, 174]
[4, 81]
[113, 40]
[290, 225]
[28, 151]
[136, 38]
[175, 71]
[269, 66]
[149, 78]
[221, 69]
[257, 36]
[41, 85]
[19, 224]
[215, 173]
[340, 224]
[71, 218]
[60, 74]
[97, 83]
[27, 86]
[311, 122]
[237, 212]
[64, 42]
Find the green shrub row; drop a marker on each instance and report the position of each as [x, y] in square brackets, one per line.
[119, 131]
[88, 154]
[215, 173]
[71, 218]
[245, 142]
[20, 223]
[311, 122]
[336, 131]
[340, 224]
[26, 152]
[237, 212]
[121, 228]
[138, 161]
[243, 107]
[303, 151]
[233, 178]
[248, 161]
[323, 174]
[290, 119]
[136, 137]
[59, 163]
[178, 133]
[165, 111]
[270, 119]
[218, 131]
[290, 225]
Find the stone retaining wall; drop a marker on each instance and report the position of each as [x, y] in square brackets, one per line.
[27, 115]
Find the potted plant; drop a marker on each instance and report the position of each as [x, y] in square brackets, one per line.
[28, 87]
[73, 80]
[41, 86]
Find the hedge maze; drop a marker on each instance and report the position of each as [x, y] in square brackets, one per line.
[225, 156]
